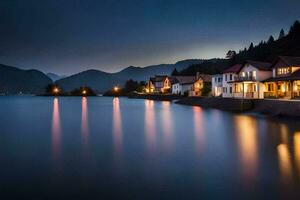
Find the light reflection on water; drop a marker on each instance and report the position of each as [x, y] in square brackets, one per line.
[56, 130]
[150, 126]
[248, 145]
[117, 127]
[84, 122]
[297, 151]
[285, 164]
[167, 127]
[198, 128]
[208, 151]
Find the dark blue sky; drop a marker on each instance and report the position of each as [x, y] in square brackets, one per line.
[68, 36]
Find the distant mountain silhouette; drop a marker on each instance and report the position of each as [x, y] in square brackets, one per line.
[101, 81]
[55, 77]
[16, 81]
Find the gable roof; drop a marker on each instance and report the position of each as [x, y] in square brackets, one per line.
[288, 60]
[233, 69]
[205, 77]
[184, 79]
[264, 66]
[158, 78]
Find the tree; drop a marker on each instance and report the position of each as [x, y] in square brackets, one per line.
[251, 46]
[230, 54]
[174, 72]
[295, 27]
[281, 34]
[271, 39]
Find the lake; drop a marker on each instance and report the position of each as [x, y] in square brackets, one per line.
[102, 147]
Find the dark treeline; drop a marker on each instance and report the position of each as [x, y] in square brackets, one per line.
[129, 87]
[284, 45]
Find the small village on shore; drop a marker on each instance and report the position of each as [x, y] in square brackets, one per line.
[239, 88]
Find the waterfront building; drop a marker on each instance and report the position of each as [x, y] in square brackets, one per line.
[248, 84]
[182, 85]
[285, 80]
[159, 84]
[217, 85]
[229, 75]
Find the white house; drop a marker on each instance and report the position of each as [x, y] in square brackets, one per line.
[182, 84]
[249, 83]
[229, 75]
[216, 85]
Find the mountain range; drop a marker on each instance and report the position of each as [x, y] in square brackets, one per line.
[17, 81]
[102, 81]
[55, 77]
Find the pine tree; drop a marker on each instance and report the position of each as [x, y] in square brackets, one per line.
[295, 27]
[271, 39]
[251, 46]
[175, 72]
[281, 34]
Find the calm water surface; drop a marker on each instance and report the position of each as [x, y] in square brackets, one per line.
[98, 147]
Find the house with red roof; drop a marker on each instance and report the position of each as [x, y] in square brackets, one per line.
[285, 80]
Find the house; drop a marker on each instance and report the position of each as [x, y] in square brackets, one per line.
[285, 80]
[229, 75]
[216, 85]
[159, 84]
[181, 85]
[248, 84]
[201, 81]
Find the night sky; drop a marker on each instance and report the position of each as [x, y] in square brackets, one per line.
[68, 36]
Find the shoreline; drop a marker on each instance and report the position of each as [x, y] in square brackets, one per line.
[265, 107]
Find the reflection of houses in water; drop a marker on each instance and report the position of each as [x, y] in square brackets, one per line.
[285, 164]
[289, 163]
[248, 145]
[297, 151]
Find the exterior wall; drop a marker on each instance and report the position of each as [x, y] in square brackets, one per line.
[263, 75]
[226, 85]
[217, 83]
[176, 88]
[180, 89]
[249, 72]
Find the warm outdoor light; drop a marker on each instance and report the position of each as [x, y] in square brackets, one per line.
[84, 92]
[55, 90]
[116, 89]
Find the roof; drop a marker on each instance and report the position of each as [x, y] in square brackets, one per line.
[264, 66]
[294, 76]
[205, 77]
[233, 69]
[184, 79]
[158, 78]
[288, 60]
